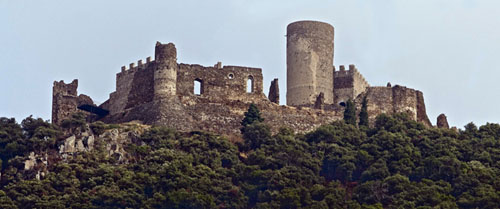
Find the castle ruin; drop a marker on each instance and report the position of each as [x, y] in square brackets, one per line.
[162, 91]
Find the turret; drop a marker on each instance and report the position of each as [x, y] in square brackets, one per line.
[165, 74]
[309, 61]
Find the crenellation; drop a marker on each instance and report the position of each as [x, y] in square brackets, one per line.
[352, 68]
[195, 97]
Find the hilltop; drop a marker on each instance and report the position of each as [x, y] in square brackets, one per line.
[397, 163]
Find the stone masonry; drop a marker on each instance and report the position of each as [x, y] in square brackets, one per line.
[65, 100]
[163, 92]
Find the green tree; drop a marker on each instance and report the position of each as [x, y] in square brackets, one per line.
[350, 113]
[363, 114]
[252, 115]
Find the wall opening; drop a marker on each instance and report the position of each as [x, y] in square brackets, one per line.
[343, 104]
[250, 84]
[198, 87]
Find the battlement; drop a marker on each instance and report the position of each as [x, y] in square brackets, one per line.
[351, 72]
[133, 67]
[214, 98]
[64, 89]
[342, 70]
[348, 84]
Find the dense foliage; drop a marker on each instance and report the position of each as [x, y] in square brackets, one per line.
[398, 163]
[350, 112]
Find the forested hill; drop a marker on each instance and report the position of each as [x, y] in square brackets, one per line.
[396, 164]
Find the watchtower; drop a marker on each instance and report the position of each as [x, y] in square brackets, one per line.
[165, 73]
[309, 60]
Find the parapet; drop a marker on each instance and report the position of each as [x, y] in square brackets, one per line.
[164, 52]
[69, 89]
[132, 66]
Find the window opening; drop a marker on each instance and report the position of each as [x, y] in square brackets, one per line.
[250, 84]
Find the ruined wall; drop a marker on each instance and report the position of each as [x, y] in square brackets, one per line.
[309, 60]
[134, 86]
[395, 99]
[162, 91]
[348, 84]
[188, 113]
[219, 85]
[274, 92]
[65, 100]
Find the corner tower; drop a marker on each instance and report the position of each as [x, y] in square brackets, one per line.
[309, 61]
[165, 73]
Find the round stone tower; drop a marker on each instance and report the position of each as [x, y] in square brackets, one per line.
[165, 74]
[309, 61]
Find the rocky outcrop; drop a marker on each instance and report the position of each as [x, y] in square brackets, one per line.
[112, 142]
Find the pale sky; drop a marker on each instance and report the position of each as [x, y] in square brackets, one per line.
[448, 49]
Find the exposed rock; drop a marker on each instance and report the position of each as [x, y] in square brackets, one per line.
[30, 163]
[69, 145]
[442, 121]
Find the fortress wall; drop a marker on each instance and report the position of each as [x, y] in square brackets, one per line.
[395, 99]
[141, 87]
[405, 100]
[379, 101]
[421, 112]
[360, 84]
[189, 114]
[128, 85]
[64, 100]
[218, 85]
[348, 84]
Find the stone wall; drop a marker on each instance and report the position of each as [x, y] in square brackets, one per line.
[395, 99]
[161, 92]
[274, 92]
[188, 113]
[218, 85]
[348, 84]
[133, 86]
[65, 100]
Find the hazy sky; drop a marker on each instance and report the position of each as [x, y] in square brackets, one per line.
[449, 49]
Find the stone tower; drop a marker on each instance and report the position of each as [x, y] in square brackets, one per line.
[165, 74]
[64, 100]
[309, 60]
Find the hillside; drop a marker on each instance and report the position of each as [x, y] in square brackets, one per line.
[398, 163]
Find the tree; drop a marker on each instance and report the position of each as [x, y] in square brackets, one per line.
[363, 114]
[350, 113]
[252, 115]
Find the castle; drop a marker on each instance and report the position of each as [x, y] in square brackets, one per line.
[163, 92]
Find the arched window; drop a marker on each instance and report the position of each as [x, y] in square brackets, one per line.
[198, 87]
[250, 84]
